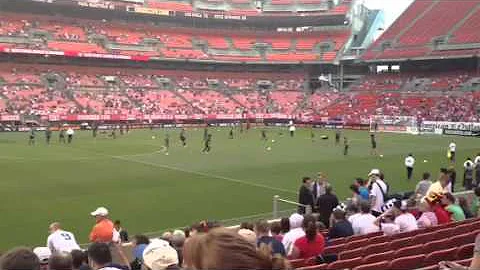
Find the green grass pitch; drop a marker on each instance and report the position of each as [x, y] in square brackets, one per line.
[150, 191]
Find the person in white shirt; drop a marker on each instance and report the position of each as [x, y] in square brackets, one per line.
[291, 128]
[364, 222]
[70, 133]
[406, 221]
[60, 240]
[409, 162]
[452, 148]
[378, 190]
[397, 219]
[296, 232]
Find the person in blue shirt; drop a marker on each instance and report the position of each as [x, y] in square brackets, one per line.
[262, 229]
[340, 226]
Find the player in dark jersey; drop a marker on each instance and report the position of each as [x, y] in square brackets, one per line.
[183, 138]
[31, 138]
[94, 130]
[61, 136]
[48, 135]
[337, 137]
[230, 134]
[113, 134]
[312, 135]
[373, 141]
[264, 135]
[205, 133]
[166, 145]
[208, 142]
[345, 146]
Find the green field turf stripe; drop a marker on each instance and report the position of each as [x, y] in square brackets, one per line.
[168, 167]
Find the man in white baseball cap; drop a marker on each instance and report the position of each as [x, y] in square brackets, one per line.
[159, 255]
[103, 231]
[43, 254]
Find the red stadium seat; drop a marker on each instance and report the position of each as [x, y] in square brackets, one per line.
[408, 251]
[440, 255]
[378, 257]
[314, 267]
[378, 239]
[356, 244]
[297, 263]
[402, 242]
[376, 248]
[334, 249]
[343, 264]
[464, 252]
[383, 265]
[337, 241]
[410, 262]
[350, 254]
[437, 245]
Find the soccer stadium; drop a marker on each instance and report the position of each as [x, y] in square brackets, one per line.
[239, 134]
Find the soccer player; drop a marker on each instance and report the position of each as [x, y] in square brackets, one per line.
[60, 240]
[113, 134]
[291, 128]
[61, 136]
[70, 133]
[337, 137]
[183, 138]
[373, 141]
[230, 134]
[31, 138]
[208, 142]
[48, 135]
[452, 147]
[345, 146]
[264, 135]
[409, 162]
[94, 130]
[205, 133]
[312, 135]
[166, 145]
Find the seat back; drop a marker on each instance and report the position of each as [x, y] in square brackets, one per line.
[383, 265]
[437, 245]
[356, 244]
[350, 254]
[345, 264]
[408, 251]
[464, 252]
[378, 257]
[399, 243]
[409, 262]
[376, 248]
[334, 249]
[440, 255]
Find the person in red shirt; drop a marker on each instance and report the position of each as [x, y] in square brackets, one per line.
[443, 216]
[310, 245]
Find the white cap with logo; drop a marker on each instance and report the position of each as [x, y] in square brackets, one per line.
[101, 211]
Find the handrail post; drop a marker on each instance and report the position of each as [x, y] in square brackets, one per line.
[275, 206]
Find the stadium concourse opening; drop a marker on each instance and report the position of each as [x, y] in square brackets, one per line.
[122, 121]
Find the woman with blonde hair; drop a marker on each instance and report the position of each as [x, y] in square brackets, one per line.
[223, 248]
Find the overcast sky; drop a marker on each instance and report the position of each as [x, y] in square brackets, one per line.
[391, 8]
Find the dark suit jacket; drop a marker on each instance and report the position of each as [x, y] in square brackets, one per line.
[305, 197]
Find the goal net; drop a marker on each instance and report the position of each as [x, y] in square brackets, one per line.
[394, 124]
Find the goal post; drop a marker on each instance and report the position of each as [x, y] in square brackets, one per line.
[394, 124]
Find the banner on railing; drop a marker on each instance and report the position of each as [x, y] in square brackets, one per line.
[465, 126]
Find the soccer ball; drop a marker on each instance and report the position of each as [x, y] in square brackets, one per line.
[269, 148]
[425, 161]
[153, 137]
[273, 141]
[166, 154]
[381, 155]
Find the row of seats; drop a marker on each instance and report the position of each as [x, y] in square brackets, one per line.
[409, 250]
[247, 7]
[74, 35]
[414, 33]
